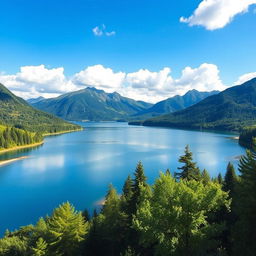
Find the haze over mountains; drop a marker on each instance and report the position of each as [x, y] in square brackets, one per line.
[229, 110]
[96, 105]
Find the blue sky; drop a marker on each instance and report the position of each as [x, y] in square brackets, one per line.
[147, 34]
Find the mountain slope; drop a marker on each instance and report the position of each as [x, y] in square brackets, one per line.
[18, 113]
[231, 109]
[174, 104]
[92, 104]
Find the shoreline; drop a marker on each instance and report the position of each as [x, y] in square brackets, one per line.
[29, 146]
[4, 162]
[63, 132]
[21, 147]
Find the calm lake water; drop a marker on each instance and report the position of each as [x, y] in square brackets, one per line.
[78, 167]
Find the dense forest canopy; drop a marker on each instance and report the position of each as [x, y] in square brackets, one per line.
[186, 214]
[12, 137]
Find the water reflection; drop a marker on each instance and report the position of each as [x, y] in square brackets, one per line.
[42, 164]
[79, 166]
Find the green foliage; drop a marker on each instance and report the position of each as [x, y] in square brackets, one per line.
[205, 177]
[196, 217]
[247, 137]
[12, 137]
[245, 207]
[41, 247]
[189, 171]
[18, 113]
[175, 217]
[67, 230]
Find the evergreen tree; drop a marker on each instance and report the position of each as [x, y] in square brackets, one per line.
[220, 179]
[67, 229]
[138, 182]
[86, 215]
[205, 177]
[245, 207]
[41, 248]
[230, 180]
[189, 170]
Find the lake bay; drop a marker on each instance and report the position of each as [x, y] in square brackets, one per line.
[78, 167]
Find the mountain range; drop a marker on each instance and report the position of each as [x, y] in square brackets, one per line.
[174, 104]
[229, 110]
[97, 105]
[18, 113]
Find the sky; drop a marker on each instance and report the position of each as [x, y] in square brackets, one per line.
[147, 50]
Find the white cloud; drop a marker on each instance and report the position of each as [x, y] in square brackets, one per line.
[216, 14]
[244, 78]
[97, 31]
[34, 81]
[101, 31]
[100, 77]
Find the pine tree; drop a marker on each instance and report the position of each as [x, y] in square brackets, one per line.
[205, 177]
[86, 215]
[245, 207]
[220, 179]
[138, 182]
[68, 229]
[41, 248]
[230, 180]
[189, 171]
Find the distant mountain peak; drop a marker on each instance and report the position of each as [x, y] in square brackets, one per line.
[231, 109]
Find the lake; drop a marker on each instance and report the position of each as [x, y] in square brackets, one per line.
[78, 167]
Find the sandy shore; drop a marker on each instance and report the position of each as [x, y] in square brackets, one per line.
[21, 147]
[12, 160]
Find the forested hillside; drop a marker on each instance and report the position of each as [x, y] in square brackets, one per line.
[18, 113]
[185, 214]
[11, 137]
[229, 110]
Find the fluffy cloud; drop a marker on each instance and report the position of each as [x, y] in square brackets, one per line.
[34, 81]
[100, 77]
[101, 31]
[244, 78]
[216, 14]
[151, 86]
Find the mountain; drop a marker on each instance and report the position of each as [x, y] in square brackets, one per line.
[229, 110]
[18, 113]
[92, 104]
[35, 100]
[174, 104]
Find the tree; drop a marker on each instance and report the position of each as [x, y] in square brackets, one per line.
[220, 179]
[174, 219]
[245, 207]
[189, 171]
[205, 177]
[67, 229]
[230, 180]
[41, 248]
[138, 182]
